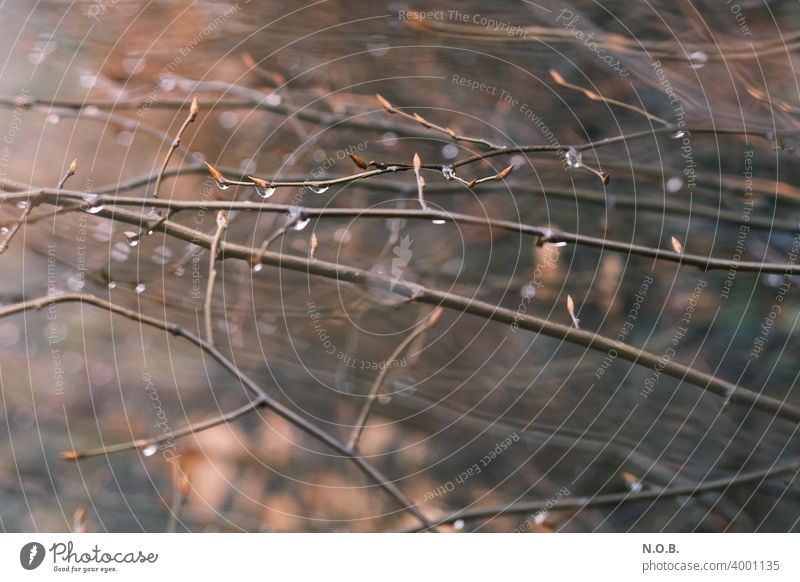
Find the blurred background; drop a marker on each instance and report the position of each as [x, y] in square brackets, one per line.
[74, 377]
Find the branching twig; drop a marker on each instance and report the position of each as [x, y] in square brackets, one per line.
[194, 109]
[542, 233]
[261, 397]
[417, 293]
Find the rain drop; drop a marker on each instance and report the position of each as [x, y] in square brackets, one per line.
[678, 134]
[458, 524]
[140, 288]
[450, 151]
[53, 118]
[384, 399]
[150, 450]
[112, 285]
[574, 158]
[132, 238]
[318, 189]
[698, 59]
[257, 267]
[120, 252]
[674, 184]
[449, 172]
[301, 224]
[223, 185]
[95, 209]
[438, 221]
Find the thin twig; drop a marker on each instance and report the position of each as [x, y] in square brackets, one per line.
[360, 425]
[30, 204]
[260, 396]
[416, 117]
[611, 499]
[542, 233]
[194, 109]
[593, 96]
[417, 293]
[222, 225]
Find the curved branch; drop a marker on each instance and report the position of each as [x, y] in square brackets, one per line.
[261, 398]
[617, 498]
[731, 393]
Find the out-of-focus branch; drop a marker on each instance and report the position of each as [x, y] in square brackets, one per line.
[260, 396]
[658, 494]
[732, 393]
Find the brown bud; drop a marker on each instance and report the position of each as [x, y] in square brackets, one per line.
[557, 77]
[385, 104]
[360, 162]
[504, 174]
[260, 182]
[194, 109]
[216, 174]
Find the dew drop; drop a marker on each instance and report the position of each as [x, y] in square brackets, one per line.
[179, 271]
[223, 185]
[150, 450]
[131, 237]
[140, 288]
[384, 399]
[389, 138]
[112, 285]
[450, 151]
[87, 81]
[258, 267]
[23, 204]
[318, 189]
[674, 184]
[698, 59]
[120, 252]
[678, 134]
[228, 119]
[265, 192]
[458, 524]
[161, 255]
[448, 172]
[301, 224]
[574, 158]
[53, 118]
[438, 221]
[95, 209]
[3, 230]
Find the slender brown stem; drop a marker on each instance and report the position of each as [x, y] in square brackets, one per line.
[194, 109]
[417, 293]
[542, 233]
[260, 396]
[222, 225]
[360, 425]
[657, 494]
